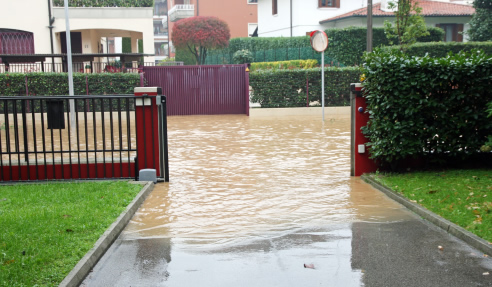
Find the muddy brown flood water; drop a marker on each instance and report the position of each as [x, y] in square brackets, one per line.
[235, 177]
[252, 200]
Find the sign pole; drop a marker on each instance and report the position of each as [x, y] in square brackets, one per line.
[319, 42]
[323, 84]
[69, 66]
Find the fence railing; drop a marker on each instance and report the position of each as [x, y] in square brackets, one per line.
[96, 67]
[81, 67]
[40, 139]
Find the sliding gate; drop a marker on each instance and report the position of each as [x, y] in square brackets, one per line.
[83, 137]
[202, 90]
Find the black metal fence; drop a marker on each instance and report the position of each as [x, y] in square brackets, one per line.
[82, 67]
[59, 138]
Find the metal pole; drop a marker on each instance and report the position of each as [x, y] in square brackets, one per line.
[51, 21]
[323, 84]
[69, 68]
[291, 18]
[369, 26]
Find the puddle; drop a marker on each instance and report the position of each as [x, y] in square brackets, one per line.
[234, 177]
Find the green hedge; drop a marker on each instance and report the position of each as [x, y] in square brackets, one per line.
[46, 84]
[427, 107]
[105, 3]
[345, 48]
[126, 44]
[349, 44]
[294, 64]
[441, 49]
[289, 88]
[275, 55]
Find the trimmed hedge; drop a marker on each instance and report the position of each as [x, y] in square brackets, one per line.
[294, 64]
[441, 49]
[126, 44]
[289, 88]
[346, 47]
[427, 107]
[45, 84]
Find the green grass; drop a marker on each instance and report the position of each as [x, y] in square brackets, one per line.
[45, 229]
[461, 196]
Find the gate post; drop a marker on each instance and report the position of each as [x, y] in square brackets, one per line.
[147, 128]
[359, 156]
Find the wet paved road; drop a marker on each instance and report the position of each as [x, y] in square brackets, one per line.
[251, 200]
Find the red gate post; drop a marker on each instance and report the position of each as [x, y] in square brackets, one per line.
[247, 87]
[360, 161]
[147, 128]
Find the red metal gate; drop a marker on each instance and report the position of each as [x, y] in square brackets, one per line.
[202, 90]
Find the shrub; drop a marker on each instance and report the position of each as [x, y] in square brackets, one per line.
[200, 34]
[441, 49]
[185, 56]
[242, 57]
[47, 84]
[290, 88]
[481, 21]
[423, 106]
[294, 64]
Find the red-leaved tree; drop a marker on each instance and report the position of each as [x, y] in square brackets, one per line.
[198, 34]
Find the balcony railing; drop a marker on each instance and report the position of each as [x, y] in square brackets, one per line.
[181, 12]
[105, 3]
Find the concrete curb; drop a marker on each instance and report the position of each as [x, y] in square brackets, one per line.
[85, 265]
[459, 232]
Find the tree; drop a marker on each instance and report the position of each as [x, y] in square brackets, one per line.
[199, 34]
[409, 24]
[481, 22]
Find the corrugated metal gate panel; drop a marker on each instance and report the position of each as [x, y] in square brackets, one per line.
[201, 90]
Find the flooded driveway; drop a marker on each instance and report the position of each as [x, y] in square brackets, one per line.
[251, 200]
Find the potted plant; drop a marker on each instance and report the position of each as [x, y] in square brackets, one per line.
[88, 69]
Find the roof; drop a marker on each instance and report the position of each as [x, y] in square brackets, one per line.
[429, 9]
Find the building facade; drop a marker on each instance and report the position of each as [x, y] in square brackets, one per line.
[91, 28]
[299, 17]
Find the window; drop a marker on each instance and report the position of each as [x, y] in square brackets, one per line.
[329, 3]
[251, 29]
[16, 42]
[452, 32]
[161, 48]
[160, 7]
[159, 29]
[274, 7]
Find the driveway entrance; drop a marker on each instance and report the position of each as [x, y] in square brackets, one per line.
[251, 200]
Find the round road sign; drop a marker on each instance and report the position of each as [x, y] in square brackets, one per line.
[319, 41]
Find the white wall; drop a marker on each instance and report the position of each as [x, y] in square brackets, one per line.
[31, 16]
[136, 23]
[305, 17]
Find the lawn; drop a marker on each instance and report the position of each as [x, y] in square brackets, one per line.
[45, 229]
[461, 196]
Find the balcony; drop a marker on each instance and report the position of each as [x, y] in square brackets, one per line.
[181, 12]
